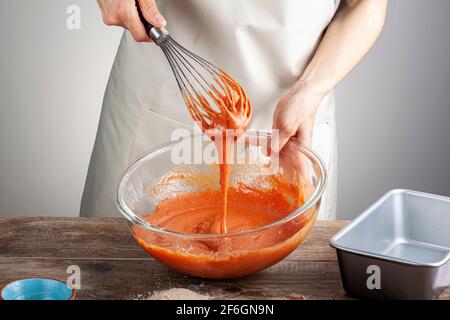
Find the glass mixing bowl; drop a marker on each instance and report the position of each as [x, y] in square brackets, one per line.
[187, 166]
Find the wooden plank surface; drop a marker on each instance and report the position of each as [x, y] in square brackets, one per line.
[113, 266]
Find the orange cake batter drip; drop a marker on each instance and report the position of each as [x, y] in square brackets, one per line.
[224, 114]
[226, 209]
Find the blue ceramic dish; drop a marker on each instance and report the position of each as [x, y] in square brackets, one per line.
[37, 289]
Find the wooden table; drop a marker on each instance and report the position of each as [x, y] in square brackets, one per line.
[113, 266]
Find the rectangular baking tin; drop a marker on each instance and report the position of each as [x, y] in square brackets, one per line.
[399, 248]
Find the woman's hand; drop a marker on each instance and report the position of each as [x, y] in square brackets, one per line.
[294, 116]
[123, 13]
[294, 119]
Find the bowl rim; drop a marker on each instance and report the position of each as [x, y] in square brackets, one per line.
[160, 149]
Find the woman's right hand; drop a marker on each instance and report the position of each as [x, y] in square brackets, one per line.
[123, 13]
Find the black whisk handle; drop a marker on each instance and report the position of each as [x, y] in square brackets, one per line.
[160, 36]
[148, 26]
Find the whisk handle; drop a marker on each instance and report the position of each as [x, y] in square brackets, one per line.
[146, 24]
[158, 35]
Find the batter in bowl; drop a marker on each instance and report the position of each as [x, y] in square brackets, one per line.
[236, 255]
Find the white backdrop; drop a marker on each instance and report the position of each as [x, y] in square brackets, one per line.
[393, 110]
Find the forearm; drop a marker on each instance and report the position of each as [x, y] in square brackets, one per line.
[353, 31]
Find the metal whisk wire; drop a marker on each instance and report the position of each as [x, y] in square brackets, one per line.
[194, 77]
[208, 91]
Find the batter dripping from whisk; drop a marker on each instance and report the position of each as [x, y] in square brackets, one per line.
[225, 121]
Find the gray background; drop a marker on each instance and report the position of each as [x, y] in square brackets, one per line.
[393, 110]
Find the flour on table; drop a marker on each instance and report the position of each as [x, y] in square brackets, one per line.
[177, 294]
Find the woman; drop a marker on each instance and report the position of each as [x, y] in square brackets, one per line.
[288, 54]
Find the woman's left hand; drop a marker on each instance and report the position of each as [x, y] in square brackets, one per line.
[294, 117]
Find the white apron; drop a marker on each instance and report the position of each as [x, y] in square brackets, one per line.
[264, 44]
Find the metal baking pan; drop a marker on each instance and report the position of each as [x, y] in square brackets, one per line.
[399, 248]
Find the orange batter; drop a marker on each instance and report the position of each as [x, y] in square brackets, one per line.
[229, 256]
[228, 209]
[231, 111]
